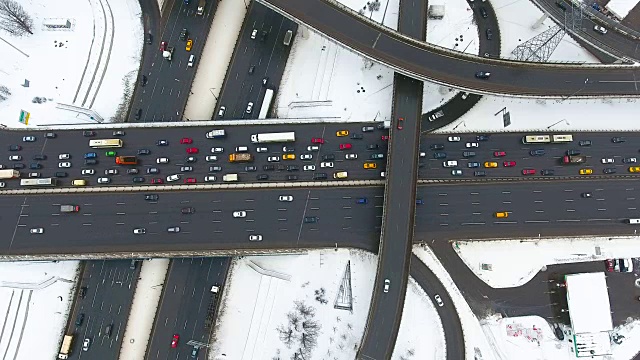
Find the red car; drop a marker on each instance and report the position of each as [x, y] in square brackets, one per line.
[509, 163]
[192, 150]
[317, 140]
[163, 46]
[499, 153]
[345, 146]
[190, 180]
[384, 137]
[400, 123]
[186, 141]
[528, 172]
[174, 341]
[609, 263]
[157, 181]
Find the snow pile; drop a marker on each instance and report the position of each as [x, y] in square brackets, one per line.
[290, 309]
[36, 299]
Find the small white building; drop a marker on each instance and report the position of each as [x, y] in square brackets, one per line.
[436, 12]
[58, 23]
[590, 313]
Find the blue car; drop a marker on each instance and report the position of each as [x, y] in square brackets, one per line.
[419, 202]
[90, 155]
[362, 201]
[439, 155]
[473, 164]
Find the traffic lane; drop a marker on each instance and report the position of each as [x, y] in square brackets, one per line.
[506, 78]
[280, 223]
[557, 207]
[413, 18]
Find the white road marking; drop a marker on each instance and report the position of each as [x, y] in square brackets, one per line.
[476, 223]
[568, 220]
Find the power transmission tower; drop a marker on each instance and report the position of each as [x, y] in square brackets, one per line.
[540, 47]
[344, 299]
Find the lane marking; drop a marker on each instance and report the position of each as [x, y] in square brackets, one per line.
[568, 220]
[571, 210]
[536, 221]
[505, 222]
[444, 214]
[472, 223]
[598, 219]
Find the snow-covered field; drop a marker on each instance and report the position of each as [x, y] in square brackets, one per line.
[55, 61]
[35, 298]
[264, 316]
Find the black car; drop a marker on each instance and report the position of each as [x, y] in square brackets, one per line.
[153, 170]
[546, 172]
[162, 143]
[88, 133]
[262, 177]
[251, 168]
[537, 152]
[436, 147]
[35, 166]
[320, 176]
[572, 152]
[15, 147]
[483, 74]
[584, 143]
[281, 167]
[479, 173]
[618, 139]
[468, 154]
[83, 292]
[132, 171]
[609, 171]
[252, 69]
[183, 34]
[586, 195]
[188, 210]
[564, 8]
[138, 179]
[50, 135]
[215, 168]
[151, 197]
[143, 80]
[60, 174]
[483, 12]
[356, 136]
[265, 81]
[482, 137]
[263, 35]
[328, 157]
[18, 166]
[191, 159]
[144, 152]
[138, 114]
[372, 147]
[310, 219]
[268, 167]
[79, 319]
[292, 177]
[293, 168]
[40, 157]
[489, 34]
[149, 39]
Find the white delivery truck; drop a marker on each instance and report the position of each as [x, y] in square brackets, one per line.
[273, 137]
[215, 134]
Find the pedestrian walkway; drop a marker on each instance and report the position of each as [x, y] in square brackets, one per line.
[215, 59]
[143, 309]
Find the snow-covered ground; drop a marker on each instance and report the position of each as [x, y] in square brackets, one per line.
[103, 58]
[35, 298]
[304, 288]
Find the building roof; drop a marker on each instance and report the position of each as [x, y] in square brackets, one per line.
[588, 302]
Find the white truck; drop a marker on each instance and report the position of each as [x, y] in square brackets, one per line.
[9, 174]
[384, 125]
[273, 137]
[214, 134]
[230, 177]
[168, 53]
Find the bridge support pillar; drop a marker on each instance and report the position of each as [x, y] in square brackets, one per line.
[540, 21]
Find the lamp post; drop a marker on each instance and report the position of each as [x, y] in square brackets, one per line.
[214, 95]
[558, 122]
[586, 82]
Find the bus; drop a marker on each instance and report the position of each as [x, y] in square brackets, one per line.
[126, 160]
[107, 143]
[562, 138]
[266, 104]
[536, 139]
[39, 182]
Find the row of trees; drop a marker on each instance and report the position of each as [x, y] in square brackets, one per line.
[14, 19]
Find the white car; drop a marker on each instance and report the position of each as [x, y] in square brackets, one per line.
[472, 145]
[209, 178]
[88, 171]
[262, 149]
[454, 138]
[186, 169]
[174, 177]
[449, 163]
[387, 284]
[273, 158]
[36, 231]
[313, 148]
[438, 300]
[239, 214]
[255, 237]
[423, 154]
[600, 29]
[285, 198]
[15, 157]
[351, 156]
[34, 174]
[64, 157]
[254, 33]
[306, 157]
[249, 108]
[607, 160]
[33, 138]
[85, 344]
[2, 184]
[64, 164]
[309, 167]
[162, 160]
[326, 164]
[217, 150]
[211, 158]
[111, 172]
[139, 231]
[104, 180]
[456, 172]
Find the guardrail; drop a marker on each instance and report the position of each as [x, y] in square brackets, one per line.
[488, 180]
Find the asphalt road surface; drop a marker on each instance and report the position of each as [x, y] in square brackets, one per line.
[184, 307]
[110, 286]
[431, 64]
[386, 308]
[266, 53]
[164, 94]
[76, 145]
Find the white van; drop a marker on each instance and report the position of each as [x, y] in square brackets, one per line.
[450, 163]
[242, 149]
[633, 221]
[230, 177]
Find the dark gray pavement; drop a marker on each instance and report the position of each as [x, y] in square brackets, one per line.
[268, 55]
[396, 236]
[110, 286]
[429, 63]
[184, 306]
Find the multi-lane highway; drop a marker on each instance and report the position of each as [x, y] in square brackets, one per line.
[426, 62]
[257, 64]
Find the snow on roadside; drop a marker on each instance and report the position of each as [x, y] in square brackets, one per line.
[515, 262]
[419, 313]
[254, 306]
[36, 298]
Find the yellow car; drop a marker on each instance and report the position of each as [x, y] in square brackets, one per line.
[491, 164]
[342, 133]
[370, 165]
[586, 171]
[501, 214]
[634, 169]
[288, 156]
[189, 45]
[79, 182]
[340, 175]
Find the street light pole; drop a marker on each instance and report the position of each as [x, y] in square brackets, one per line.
[214, 95]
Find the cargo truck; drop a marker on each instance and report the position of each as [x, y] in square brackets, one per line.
[65, 349]
[9, 174]
[69, 208]
[273, 137]
[384, 125]
[126, 160]
[201, 5]
[240, 157]
[230, 177]
[168, 53]
[215, 134]
[574, 159]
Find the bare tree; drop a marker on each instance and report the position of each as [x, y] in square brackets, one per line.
[14, 19]
[4, 92]
[286, 335]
